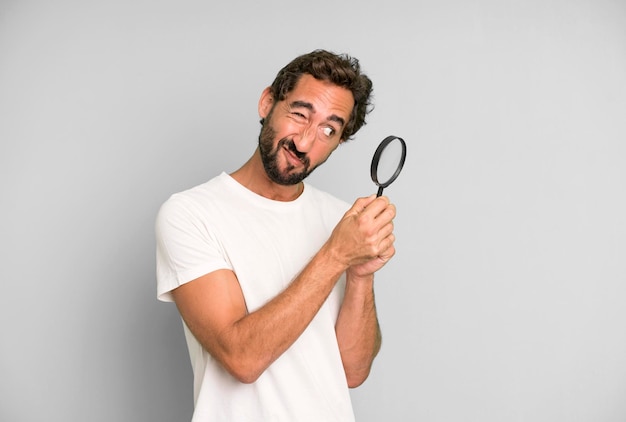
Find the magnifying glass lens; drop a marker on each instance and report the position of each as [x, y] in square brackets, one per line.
[388, 161]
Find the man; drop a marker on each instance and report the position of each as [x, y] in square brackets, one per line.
[273, 278]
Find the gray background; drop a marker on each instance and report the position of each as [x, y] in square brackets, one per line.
[505, 301]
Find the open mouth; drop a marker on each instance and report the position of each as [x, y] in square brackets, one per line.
[294, 157]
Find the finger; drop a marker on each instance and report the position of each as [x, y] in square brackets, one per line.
[361, 204]
[384, 217]
[386, 230]
[388, 213]
[388, 254]
[375, 207]
[382, 208]
[388, 249]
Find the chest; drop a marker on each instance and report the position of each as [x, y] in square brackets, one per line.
[267, 250]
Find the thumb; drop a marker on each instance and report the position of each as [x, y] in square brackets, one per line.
[361, 203]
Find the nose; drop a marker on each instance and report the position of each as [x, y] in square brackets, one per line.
[305, 139]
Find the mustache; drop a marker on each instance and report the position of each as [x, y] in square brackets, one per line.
[291, 146]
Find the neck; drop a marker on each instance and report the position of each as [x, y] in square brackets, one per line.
[252, 176]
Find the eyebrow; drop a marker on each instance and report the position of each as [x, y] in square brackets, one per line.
[309, 106]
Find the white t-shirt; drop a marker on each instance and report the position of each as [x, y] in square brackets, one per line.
[222, 225]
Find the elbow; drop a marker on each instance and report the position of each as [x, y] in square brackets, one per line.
[356, 379]
[244, 370]
[240, 361]
[244, 376]
[352, 385]
[357, 371]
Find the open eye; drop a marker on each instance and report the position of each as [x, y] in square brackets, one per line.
[328, 131]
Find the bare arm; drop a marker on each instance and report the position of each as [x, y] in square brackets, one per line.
[214, 309]
[357, 328]
[358, 332]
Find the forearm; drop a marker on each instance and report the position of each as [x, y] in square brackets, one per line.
[256, 340]
[358, 332]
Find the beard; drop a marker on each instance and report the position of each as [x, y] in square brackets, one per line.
[269, 157]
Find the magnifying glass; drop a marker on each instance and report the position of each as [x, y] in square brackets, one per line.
[387, 162]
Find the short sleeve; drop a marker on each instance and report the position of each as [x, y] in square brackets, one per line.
[186, 247]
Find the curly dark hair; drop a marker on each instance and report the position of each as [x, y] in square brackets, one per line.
[339, 69]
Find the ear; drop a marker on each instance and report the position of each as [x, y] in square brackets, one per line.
[266, 102]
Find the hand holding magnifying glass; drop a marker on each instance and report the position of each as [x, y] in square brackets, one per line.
[387, 162]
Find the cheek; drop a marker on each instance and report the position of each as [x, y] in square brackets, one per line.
[285, 125]
[320, 154]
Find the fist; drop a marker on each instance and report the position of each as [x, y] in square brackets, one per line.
[363, 239]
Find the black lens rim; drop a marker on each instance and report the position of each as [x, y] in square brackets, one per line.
[376, 159]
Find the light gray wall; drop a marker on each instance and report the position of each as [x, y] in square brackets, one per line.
[505, 301]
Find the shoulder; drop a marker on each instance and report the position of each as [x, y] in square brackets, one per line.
[189, 204]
